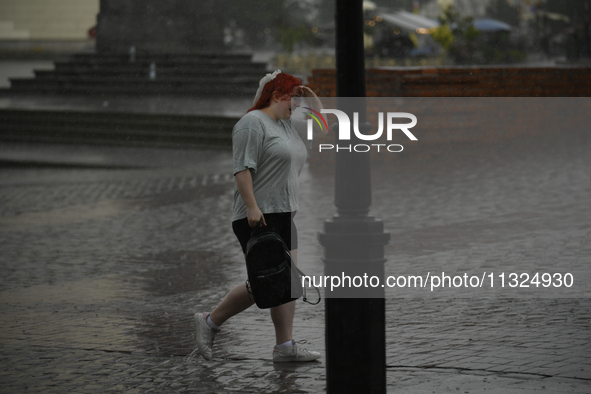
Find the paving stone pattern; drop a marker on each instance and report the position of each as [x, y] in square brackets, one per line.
[103, 270]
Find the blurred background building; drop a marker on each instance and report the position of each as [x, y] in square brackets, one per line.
[160, 67]
[39, 28]
[299, 36]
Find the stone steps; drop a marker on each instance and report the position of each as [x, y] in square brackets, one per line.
[115, 128]
[144, 72]
[195, 57]
[108, 87]
[93, 79]
[221, 70]
[204, 74]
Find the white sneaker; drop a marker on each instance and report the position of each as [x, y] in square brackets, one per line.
[294, 354]
[204, 336]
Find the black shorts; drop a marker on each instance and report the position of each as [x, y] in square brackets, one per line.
[280, 223]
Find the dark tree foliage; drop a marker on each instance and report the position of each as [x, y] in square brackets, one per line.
[406, 5]
[574, 9]
[503, 11]
[577, 30]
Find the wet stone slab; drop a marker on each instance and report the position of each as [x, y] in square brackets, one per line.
[102, 274]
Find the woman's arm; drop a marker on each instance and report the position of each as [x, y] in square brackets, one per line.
[244, 184]
[316, 105]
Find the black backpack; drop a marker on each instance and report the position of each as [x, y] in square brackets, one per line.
[271, 271]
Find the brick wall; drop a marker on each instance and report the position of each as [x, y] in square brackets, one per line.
[513, 103]
[465, 82]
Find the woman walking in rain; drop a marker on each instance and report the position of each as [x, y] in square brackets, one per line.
[268, 155]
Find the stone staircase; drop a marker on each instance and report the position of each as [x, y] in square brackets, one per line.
[115, 128]
[189, 75]
[158, 93]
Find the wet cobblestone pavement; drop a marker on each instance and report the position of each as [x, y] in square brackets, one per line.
[104, 268]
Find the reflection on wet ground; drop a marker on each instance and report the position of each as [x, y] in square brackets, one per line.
[469, 205]
[104, 269]
[157, 105]
[185, 271]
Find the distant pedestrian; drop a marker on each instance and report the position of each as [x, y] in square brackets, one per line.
[269, 153]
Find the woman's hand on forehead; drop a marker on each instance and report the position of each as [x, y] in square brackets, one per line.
[297, 91]
[305, 91]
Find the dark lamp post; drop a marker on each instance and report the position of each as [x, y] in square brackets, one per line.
[353, 241]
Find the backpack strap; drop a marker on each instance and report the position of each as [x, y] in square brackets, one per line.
[304, 297]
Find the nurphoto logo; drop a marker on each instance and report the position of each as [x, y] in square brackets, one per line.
[344, 130]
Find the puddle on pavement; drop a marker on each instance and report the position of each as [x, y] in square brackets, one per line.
[179, 283]
[181, 272]
[73, 214]
[81, 292]
[178, 196]
[83, 314]
[166, 333]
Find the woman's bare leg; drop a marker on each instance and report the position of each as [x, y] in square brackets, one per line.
[238, 300]
[235, 302]
[282, 316]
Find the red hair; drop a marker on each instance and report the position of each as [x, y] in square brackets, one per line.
[283, 83]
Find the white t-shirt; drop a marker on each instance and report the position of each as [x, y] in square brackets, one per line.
[274, 153]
